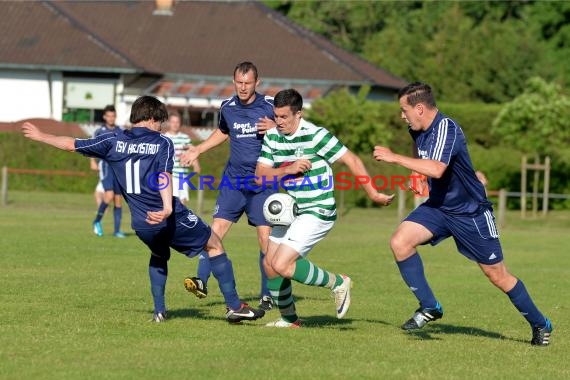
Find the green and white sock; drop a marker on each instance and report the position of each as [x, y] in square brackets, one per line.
[308, 273]
[281, 291]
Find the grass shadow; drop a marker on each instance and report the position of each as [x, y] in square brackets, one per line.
[377, 321]
[430, 332]
[324, 321]
[188, 313]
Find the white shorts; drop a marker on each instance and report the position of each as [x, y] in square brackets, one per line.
[99, 188]
[302, 235]
[182, 194]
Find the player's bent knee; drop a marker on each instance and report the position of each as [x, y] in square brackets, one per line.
[499, 276]
[400, 246]
[214, 245]
[282, 268]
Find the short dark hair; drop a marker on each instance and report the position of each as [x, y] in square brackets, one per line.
[289, 97]
[109, 108]
[418, 92]
[244, 67]
[147, 108]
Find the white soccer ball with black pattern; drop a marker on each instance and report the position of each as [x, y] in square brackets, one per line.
[280, 209]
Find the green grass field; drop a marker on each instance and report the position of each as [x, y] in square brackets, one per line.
[75, 306]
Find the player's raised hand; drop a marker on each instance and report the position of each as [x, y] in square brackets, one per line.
[264, 124]
[382, 153]
[31, 131]
[189, 156]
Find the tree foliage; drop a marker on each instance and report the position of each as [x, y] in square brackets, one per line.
[537, 121]
[353, 119]
[469, 50]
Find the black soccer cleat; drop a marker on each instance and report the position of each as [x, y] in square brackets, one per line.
[196, 286]
[422, 317]
[541, 335]
[266, 303]
[245, 313]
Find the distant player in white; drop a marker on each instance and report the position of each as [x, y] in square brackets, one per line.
[181, 143]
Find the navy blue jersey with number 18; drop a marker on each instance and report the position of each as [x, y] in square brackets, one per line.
[136, 157]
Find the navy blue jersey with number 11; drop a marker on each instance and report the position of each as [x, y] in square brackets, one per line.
[136, 157]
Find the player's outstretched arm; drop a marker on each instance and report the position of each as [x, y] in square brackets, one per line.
[61, 142]
[357, 168]
[429, 168]
[191, 155]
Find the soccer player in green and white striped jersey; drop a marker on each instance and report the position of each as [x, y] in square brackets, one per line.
[181, 143]
[298, 154]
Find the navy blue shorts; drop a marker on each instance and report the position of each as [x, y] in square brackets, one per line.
[187, 234]
[110, 183]
[232, 203]
[476, 237]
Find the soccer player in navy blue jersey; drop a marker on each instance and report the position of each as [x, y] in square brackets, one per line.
[142, 159]
[108, 180]
[457, 206]
[244, 118]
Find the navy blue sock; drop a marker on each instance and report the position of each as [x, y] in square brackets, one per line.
[521, 299]
[264, 288]
[204, 268]
[158, 271]
[100, 212]
[224, 272]
[412, 271]
[117, 214]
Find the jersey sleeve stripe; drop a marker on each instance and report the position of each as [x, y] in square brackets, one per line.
[168, 141]
[95, 143]
[440, 141]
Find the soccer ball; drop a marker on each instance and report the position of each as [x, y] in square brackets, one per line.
[280, 209]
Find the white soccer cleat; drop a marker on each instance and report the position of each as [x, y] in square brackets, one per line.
[284, 324]
[159, 317]
[342, 296]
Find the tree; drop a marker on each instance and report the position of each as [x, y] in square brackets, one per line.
[469, 50]
[465, 59]
[537, 121]
[353, 119]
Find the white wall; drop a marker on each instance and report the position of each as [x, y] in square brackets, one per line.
[25, 94]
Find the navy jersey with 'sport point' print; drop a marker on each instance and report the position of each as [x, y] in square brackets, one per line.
[458, 191]
[239, 122]
[136, 156]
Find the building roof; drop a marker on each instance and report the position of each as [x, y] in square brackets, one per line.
[36, 34]
[201, 38]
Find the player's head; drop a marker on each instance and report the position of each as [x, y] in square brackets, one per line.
[110, 115]
[174, 123]
[148, 108]
[417, 104]
[288, 106]
[245, 82]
